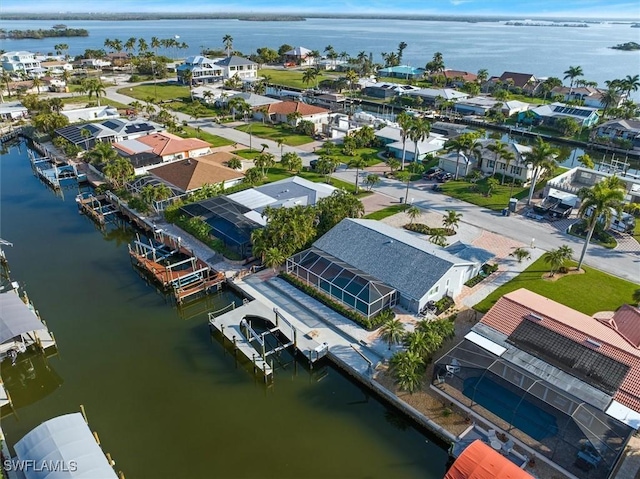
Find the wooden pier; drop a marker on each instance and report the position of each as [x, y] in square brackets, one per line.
[95, 207]
[236, 327]
[183, 278]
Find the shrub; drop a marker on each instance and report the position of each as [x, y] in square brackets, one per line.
[426, 230]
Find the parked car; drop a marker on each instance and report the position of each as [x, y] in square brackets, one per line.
[443, 177]
[432, 173]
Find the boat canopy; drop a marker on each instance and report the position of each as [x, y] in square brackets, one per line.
[16, 317]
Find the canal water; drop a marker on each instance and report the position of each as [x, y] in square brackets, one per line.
[166, 400]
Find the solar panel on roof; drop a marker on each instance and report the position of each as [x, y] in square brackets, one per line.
[583, 362]
[111, 124]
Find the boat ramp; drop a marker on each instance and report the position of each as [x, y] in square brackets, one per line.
[173, 266]
[259, 332]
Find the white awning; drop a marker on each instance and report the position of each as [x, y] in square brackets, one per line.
[624, 414]
[485, 343]
[67, 443]
[15, 317]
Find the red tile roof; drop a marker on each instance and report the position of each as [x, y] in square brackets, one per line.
[465, 76]
[287, 107]
[168, 144]
[515, 307]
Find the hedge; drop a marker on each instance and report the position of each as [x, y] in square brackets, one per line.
[426, 230]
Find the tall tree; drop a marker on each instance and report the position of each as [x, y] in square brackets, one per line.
[358, 163]
[451, 219]
[227, 41]
[542, 158]
[401, 48]
[404, 122]
[600, 203]
[498, 148]
[572, 73]
[413, 213]
[418, 132]
[392, 331]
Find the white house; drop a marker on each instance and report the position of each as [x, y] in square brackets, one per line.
[96, 63]
[298, 56]
[392, 137]
[241, 67]
[482, 105]
[207, 70]
[21, 61]
[590, 96]
[13, 110]
[435, 96]
[367, 266]
[518, 168]
[90, 114]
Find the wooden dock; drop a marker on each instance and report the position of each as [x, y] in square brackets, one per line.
[95, 207]
[183, 278]
[52, 173]
[236, 327]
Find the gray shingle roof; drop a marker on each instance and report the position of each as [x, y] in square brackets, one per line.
[234, 60]
[401, 260]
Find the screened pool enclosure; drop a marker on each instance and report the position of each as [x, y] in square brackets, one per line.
[555, 413]
[342, 282]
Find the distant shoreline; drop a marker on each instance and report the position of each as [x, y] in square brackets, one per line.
[138, 16]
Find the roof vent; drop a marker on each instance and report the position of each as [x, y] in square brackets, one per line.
[592, 342]
[535, 317]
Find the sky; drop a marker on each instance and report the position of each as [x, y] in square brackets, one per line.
[623, 9]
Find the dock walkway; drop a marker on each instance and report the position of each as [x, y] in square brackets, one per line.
[232, 325]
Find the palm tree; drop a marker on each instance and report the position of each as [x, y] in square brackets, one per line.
[253, 176]
[358, 163]
[498, 149]
[419, 342]
[309, 75]
[264, 161]
[572, 73]
[555, 258]
[630, 83]
[326, 166]
[407, 367]
[405, 176]
[451, 219]
[6, 79]
[520, 254]
[392, 331]
[401, 48]
[371, 181]
[413, 213]
[101, 154]
[352, 77]
[636, 296]
[599, 204]
[37, 83]
[508, 157]
[280, 143]
[542, 157]
[404, 122]
[274, 258]
[142, 46]
[418, 131]
[227, 40]
[94, 86]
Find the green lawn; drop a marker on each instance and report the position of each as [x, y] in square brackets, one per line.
[248, 154]
[575, 291]
[275, 133]
[291, 78]
[370, 155]
[158, 91]
[84, 99]
[499, 199]
[215, 140]
[386, 212]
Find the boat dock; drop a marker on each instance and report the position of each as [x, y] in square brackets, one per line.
[95, 207]
[21, 326]
[174, 267]
[236, 326]
[52, 173]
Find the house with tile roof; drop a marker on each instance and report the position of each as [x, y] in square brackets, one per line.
[564, 384]
[278, 113]
[165, 145]
[191, 174]
[368, 266]
[525, 81]
[456, 78]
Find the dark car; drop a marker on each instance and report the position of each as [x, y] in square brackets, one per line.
[443, 177]
[432, 173]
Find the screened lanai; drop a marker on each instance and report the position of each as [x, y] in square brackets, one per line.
[230, 221]
[557, 414]
[344, 283]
